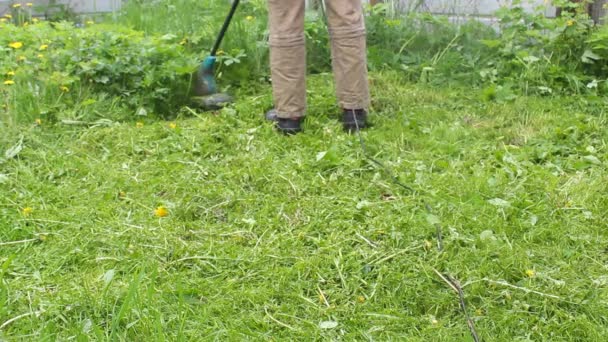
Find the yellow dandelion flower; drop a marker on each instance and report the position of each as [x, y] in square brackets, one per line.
[9, 82]
[428, 244]
[2, 20]
[16, 5]
[161, 212]
[29, 4]
[15, 45]
[27, 211]
[139, 124]
[361, 299]
[10, 73]
[40, 56]
[173, 125]
[249, 18]
[530, 273]
[43, 47]
[38, 122]
[8, 16]
[570, 22]
[64, 89]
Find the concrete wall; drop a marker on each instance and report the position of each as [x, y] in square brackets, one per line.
[483, 8]
[79, 6]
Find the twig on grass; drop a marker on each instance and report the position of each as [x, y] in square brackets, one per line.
[17, 242]
[366, 240]
[5, 324]
[446, 280]
[322, 296]
[284, 325]
[455, 285]
[504, 283]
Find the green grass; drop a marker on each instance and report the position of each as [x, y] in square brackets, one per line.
[264, 240]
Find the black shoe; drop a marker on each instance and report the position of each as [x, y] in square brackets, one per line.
[354, 119]
[286, 126]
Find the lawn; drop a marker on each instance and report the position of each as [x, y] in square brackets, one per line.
[274, 238]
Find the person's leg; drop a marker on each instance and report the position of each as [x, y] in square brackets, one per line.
[349, 59]
[288, 58]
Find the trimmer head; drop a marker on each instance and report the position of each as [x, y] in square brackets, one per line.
[213, 102]
[205, 88]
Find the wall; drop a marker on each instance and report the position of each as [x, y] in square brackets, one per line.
[80, 6]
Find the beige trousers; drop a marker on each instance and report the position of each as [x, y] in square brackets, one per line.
[288, 55]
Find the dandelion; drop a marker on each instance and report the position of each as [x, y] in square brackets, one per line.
[249, 18]
[16, 5]
[428, 244]
[38, 122]
[139, 124]
[173, 125]
[8, 16]
[570, 22]
[9, 82]
[10, 73]
[40, 56]
[361, 299]
[2, 20]
[530, 273]
[161, 212]
[27, 211]
[29, 4]
[15, 45]
[64, 89]
[43, 47]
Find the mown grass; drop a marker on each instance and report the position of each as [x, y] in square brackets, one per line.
[267, 237]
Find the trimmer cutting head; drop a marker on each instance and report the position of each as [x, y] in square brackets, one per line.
[213, 102]
[205, 88]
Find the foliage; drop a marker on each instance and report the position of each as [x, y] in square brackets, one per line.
[50, 68]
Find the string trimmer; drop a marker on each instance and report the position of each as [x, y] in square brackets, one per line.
[205, 87]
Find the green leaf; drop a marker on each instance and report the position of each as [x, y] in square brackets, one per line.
[590, 57]
[328, 324]
[14, 151]
[499, 202]
[432, 219]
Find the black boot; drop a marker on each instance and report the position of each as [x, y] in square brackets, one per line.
[289, 126]
[354, 119]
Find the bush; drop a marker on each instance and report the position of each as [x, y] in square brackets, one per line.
[45, 62]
